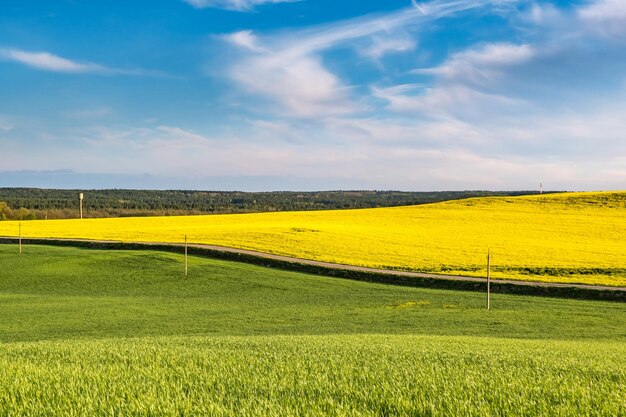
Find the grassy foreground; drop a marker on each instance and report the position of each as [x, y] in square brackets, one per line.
[345, 375]
[93, 332]
[571, 238]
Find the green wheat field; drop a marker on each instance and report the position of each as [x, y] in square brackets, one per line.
[97, 332]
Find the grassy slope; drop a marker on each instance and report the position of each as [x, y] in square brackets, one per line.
[60, 293]
[102, 332]
[576, 238]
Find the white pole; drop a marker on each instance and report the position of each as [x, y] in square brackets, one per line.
[19, 226]
[488, 279]
[80, 199]
[186, 255]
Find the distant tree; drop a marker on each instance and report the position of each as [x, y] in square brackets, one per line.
[23, 214]
[5, 211]
[55, 204]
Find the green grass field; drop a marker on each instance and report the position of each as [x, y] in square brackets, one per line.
[95, 332]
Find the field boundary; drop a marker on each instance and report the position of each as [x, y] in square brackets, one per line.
[383, 276]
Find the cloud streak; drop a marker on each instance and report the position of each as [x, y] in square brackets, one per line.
[480, 65]
[327, 36]
[606, 17]
[46, 61]
[288, 69]
[396, 153]
[235, 5]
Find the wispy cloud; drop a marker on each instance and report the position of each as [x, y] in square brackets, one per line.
[597, 18]
[384, 45]
[244, 39]
[395, 152]
[607, 17]
[483, 63]
[575, 150]
[49, 62]
[288, 68]
[327, 36]
[604, 10]
[446, 101]
[468, 85]
[46, 61]
[5, 125]
[302, 86]
[237, 5]
[89, 113]
[542, 14]
[185, 136]
[136, 139]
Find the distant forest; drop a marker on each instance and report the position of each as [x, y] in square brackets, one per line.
[37, 203]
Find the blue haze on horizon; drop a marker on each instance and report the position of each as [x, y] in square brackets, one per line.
[313, 94]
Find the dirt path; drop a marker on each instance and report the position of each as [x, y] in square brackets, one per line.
[335, 266]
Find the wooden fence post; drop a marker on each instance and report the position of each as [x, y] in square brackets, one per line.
[488, 279]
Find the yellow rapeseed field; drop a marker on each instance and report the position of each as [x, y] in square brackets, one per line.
[573, 237]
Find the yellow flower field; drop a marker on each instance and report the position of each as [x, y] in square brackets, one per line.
[573, 237]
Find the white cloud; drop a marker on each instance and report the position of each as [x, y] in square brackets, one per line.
[46, 61]
[446, 100]
[184, 136]
[49, 62]
[301, 85]
[245, 39]
[591, 18]
[564, 149]
[606, 17]
[381, 46]
[277, 132]
[90, 113]
[288, 68]
[237, 5]
[5, 125]
[542, 14]
[604, 10]
[327, 36]
[168, 138]
[465, 85]
[469, 85]
[402, 133]
[482, 64]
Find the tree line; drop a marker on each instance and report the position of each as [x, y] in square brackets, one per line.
[7, 213]
[38, 203]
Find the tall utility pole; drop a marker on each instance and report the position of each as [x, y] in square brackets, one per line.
[80, 202]
[488, 279]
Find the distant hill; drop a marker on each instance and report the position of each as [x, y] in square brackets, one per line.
[566, 238]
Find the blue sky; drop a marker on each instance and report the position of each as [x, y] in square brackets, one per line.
[313, 94]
